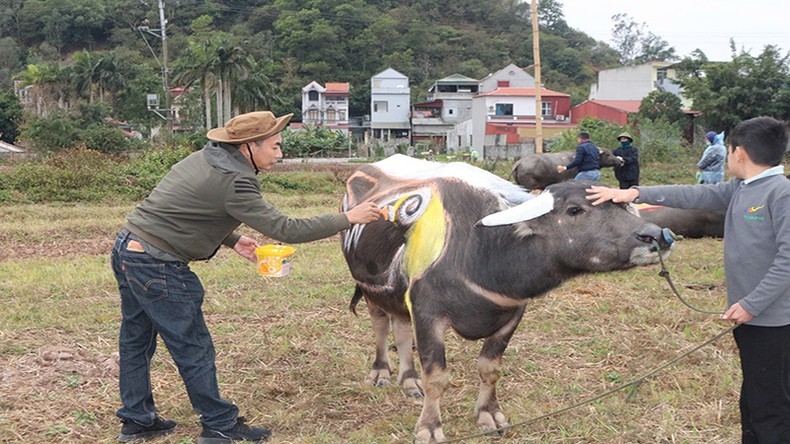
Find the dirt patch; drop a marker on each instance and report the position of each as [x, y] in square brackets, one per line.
[97, 246]
[52, 366]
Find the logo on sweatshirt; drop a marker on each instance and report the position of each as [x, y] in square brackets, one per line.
[754, 213]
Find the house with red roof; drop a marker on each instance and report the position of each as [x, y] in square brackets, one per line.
[615, 111]
[326, 105]
[503, 123]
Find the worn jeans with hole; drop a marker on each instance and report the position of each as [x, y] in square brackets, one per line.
[164, 298]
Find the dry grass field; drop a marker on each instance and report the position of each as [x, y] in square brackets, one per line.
[293, 357]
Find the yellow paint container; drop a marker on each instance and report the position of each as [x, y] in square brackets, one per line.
[274, 260]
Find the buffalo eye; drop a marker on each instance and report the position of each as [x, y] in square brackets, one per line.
[574, 211]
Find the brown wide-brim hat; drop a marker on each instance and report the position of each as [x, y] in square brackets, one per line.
[249, 127]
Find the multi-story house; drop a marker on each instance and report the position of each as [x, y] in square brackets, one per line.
[390, 107]
[449, 102]
[619, 91]
[326, 105]
[504, 120]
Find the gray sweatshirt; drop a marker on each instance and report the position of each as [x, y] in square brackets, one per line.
[757, 238]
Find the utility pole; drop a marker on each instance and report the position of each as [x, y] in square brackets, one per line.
[538, 86]
[165, 73]
[168, 110]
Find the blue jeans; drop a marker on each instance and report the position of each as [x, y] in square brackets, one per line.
[164, 298]
[593, 175]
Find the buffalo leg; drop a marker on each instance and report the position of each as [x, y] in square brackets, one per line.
[408, 379]
[381, 370]
[489, 416]
[429, 332]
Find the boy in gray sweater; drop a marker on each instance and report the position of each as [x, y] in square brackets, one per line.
[756, 264]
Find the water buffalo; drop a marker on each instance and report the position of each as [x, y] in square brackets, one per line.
[687, 223]
[539, 170]
[455, 251]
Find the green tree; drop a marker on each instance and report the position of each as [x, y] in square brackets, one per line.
[636, 44]
[62, 23]
[10, 117]
[662, 105]
[729, 92]
[50, 84]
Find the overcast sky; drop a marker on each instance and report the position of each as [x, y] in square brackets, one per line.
[690, 24]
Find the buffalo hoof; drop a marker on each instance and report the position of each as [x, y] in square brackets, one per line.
[412, 387]
[429, 436]
[492, 422]
[378, 378]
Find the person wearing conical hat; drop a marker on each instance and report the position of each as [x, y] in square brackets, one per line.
[627, 173]
[193, 211]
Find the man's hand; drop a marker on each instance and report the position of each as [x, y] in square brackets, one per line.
[738, 314]
[561, 168]
[601, 194]
[363, 213]
[246, 248]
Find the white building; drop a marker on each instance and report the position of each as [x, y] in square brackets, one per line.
[510, 76]
[326, 105]
[390, 106]
[632, 82]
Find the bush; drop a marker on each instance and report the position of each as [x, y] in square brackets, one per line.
[661, 141]
[107, 139]
[315, 141]
[142, 173]
[77, 174]
[603, 134]
[51, 134]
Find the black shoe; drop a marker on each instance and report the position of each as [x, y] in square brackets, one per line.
[132, 431]
[239, 432]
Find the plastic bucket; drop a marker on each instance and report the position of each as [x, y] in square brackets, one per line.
[274, 260]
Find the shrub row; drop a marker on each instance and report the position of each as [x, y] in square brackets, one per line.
[84, 175]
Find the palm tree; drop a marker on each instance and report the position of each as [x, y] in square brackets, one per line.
[196, 66]
[255, 91]
[49, 81]
[230, 62]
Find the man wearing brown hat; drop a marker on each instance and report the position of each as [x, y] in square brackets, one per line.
[192, 212]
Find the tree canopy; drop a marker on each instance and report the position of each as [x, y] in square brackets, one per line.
[729, 92]
[243, 55]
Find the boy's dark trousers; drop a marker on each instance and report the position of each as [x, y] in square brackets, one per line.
[765, 392]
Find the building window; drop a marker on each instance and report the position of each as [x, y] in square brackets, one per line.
[450, 112]
[312, 115]
[661, 74]
[341, 115]
[503, 83]
[545, 108]
[330, 115]
[380, 107]
[312, 96]
[504, 109]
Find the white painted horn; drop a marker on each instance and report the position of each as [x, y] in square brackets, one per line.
[523, 212]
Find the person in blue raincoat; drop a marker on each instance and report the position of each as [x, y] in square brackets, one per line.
[711, 165]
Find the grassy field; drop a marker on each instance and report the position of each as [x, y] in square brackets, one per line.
[293, 358]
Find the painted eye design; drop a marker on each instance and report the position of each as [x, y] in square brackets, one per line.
[407, 208]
